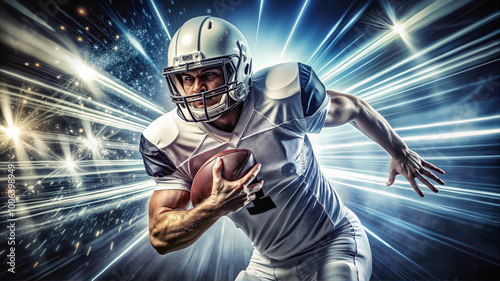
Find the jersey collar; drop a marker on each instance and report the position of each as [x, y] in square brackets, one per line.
[234, 136]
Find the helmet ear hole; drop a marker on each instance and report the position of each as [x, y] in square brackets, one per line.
[247, 68]
[210, 25]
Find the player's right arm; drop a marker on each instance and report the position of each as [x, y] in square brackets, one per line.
[172, 227]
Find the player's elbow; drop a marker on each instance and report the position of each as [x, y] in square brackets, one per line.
[161, 247]
[343, 109]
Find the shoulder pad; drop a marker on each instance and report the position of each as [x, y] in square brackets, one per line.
[163, 131]
[280, 81]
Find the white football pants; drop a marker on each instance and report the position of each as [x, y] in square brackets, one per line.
[343, 254]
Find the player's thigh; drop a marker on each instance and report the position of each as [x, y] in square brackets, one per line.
[259, 268]
[246, 276]
[349, 256]
[339, 271]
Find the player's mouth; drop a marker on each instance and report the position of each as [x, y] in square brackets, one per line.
[208, 102]
[198, 104]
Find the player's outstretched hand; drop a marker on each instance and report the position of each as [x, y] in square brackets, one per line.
[231, 196]
[412, 166]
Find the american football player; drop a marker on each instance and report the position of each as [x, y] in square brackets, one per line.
[299, 226]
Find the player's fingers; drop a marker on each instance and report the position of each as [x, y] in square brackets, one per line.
[427, 183]
[432, 176]
[250, 176]
[415, 186]
[254, 187]
[431, 166]
[250, 198]
[392, 177]
[217, 170]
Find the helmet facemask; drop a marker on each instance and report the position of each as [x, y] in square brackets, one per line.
[231, 92]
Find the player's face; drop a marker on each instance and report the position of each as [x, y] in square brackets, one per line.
[203, 79]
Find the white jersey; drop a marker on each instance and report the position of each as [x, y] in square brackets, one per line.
[297, 205]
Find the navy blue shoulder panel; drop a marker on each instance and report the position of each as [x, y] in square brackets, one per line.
[156, 162]
[312, 90]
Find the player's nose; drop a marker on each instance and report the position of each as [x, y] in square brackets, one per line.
[199, 85]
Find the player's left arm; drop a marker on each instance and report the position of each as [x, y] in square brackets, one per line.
[345, 108]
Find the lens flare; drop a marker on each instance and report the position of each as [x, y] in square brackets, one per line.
[85, 72]
[70, 164]
[398, 29]
[13, 132]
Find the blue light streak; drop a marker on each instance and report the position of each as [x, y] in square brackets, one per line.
[293, 29]
[258, 23]
[137, 240]
[340, 34]
[161, 20]
[396, 251]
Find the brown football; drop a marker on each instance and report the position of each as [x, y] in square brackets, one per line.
[235, 164]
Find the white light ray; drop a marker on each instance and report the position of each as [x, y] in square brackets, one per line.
[420, 19]
[432, 70]
[161, 20]
[293, 29]
[412, 87]
[448, 123]
[443, 136]
[85, 72]
[340, 53]
[475, 133]
[456, 211]
[365, 83]
[28, 13]
[258, 23]
[91, 197]
[341, 33]
[355, 175]
[74, 110]
[61, 58]
[136, 44]
[137, 240]
[394, 249]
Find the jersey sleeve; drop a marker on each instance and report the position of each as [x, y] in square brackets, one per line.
[315, 101]
[161, 169]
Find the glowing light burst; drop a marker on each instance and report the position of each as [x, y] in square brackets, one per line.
[399, 29]
[85, 72]
[73, 111]
[92, 143]
[70, 164]
[13, 132]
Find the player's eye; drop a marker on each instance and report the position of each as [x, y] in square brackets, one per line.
[188, 80]
[209, 75]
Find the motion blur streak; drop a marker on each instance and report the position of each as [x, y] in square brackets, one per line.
[161, 19]
[293, 29]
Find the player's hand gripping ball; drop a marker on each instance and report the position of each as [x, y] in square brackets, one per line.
[237, 163]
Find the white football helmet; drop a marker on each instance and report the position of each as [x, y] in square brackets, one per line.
[202, 42]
